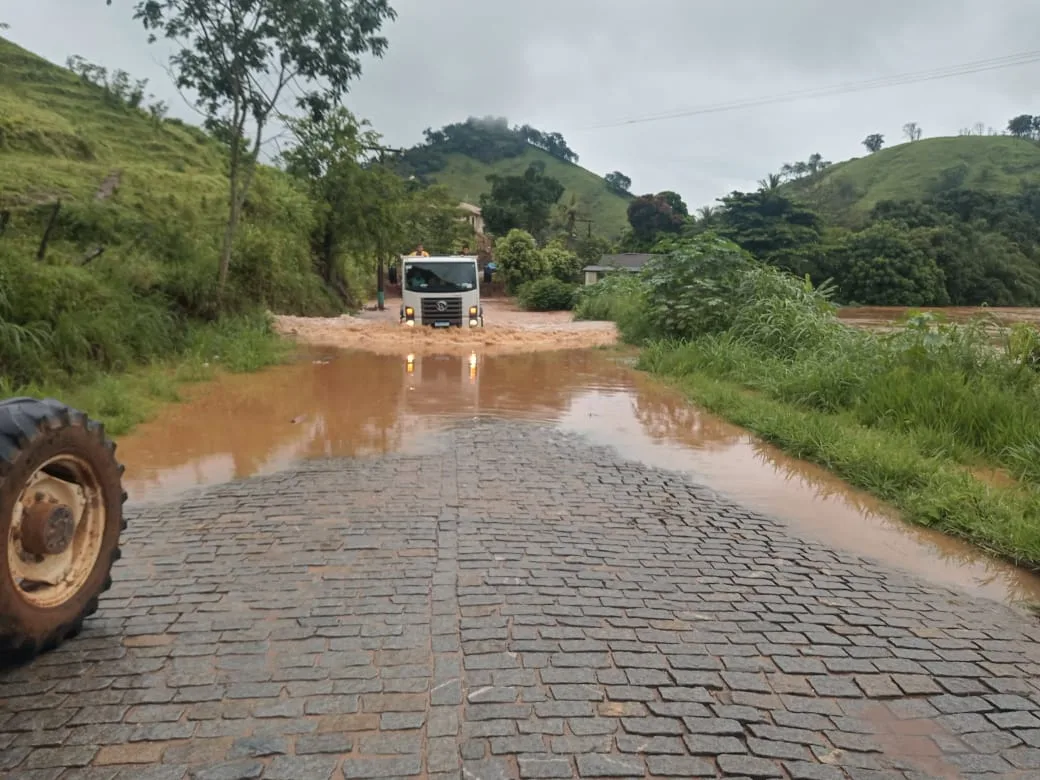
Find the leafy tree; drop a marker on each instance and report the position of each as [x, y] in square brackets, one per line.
[562, 263]
[519, 260]
[430, 216]
[239, 57]
[618, 182]
[674, 200]
[591, 248]
[912, 131]
[874, 142]
[356, 206]
[1024, 126]
[803, 168]
[773, 228]
[689, 289]
[523, 202]
[816, 163]
[650, 215]
[884, 266]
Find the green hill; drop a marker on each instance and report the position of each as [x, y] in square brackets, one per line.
[151, 195]
[847, 191]
[460, 156]
[465, 178]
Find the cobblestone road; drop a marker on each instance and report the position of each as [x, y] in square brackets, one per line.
[515, 604]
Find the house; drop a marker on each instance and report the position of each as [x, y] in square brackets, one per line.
[632, 262]
[474, 217]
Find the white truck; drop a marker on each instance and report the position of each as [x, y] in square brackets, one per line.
[443, 292]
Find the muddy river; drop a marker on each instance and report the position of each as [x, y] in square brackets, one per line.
[356, 404]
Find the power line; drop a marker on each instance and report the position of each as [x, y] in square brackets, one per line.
[914, 77]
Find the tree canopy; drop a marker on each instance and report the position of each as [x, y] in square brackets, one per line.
[239, 57]
[523, 201]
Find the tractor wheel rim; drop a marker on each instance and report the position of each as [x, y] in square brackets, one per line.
[56, 531]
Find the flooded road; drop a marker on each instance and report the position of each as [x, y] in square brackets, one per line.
[357, 404]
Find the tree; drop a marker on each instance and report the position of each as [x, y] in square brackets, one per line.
[883, 266]
[770, 183]
[239, 57]
[562, 263]
[874, 142]
[1024, 126]
[912, 131]
[518, 259]
[618, 182]
[566, 218]
[674, 200]
[358, 206]
[775, 229]
[650, 215]
[816, 163]
[523, 201]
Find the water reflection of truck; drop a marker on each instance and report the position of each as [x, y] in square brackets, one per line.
[440, 291]
[442, 384]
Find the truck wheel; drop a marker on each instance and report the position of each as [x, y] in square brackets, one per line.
[61, 514]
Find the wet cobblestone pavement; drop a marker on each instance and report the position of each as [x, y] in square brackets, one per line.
[513, 603]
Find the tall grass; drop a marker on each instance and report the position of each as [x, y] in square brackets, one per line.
[909, 415]
[124, 398]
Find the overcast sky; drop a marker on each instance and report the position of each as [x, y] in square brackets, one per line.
[568, 65]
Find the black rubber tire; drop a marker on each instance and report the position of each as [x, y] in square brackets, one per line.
[32, 432]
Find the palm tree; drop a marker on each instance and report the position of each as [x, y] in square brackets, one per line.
[568, 213]
[771, 183]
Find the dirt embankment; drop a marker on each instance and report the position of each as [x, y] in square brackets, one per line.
[506, 329]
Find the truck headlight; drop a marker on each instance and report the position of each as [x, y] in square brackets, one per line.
[409, 312]
[472, 312]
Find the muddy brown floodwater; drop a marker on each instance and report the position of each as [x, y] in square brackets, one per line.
[353, 403]
[507, 329]
[884, 317]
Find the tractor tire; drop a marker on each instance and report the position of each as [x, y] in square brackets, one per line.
[61, 516]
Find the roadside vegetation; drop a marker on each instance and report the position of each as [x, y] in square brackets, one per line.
[920, 417]
[138, 251]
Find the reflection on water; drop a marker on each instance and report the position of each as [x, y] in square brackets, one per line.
[359, 403]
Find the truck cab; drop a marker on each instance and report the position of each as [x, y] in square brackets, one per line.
[442, 292]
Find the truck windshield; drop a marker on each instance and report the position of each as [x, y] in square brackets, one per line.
[440, 277]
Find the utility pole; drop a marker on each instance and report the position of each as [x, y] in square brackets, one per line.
[380, 294]
[380, 286]
[589, 222]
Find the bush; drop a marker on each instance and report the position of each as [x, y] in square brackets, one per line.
[519, 260]
[547, 294]
[562, 263]
[618, 298]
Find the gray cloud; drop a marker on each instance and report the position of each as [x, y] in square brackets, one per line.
[567, 65]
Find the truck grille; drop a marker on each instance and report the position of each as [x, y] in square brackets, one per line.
[451, 313]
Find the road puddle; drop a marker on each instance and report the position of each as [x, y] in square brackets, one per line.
[358, 404]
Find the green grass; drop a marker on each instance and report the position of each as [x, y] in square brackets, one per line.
[465, 179]
[848, 191]
[918, 417]
[930, 490]
[118, 335]
[124, 399]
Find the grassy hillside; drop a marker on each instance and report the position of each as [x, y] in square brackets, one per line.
[912, 171]
[465, 178]
[151, 194]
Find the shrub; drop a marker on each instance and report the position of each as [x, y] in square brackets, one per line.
[562, 263]
[547, 294]
[518, 259]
